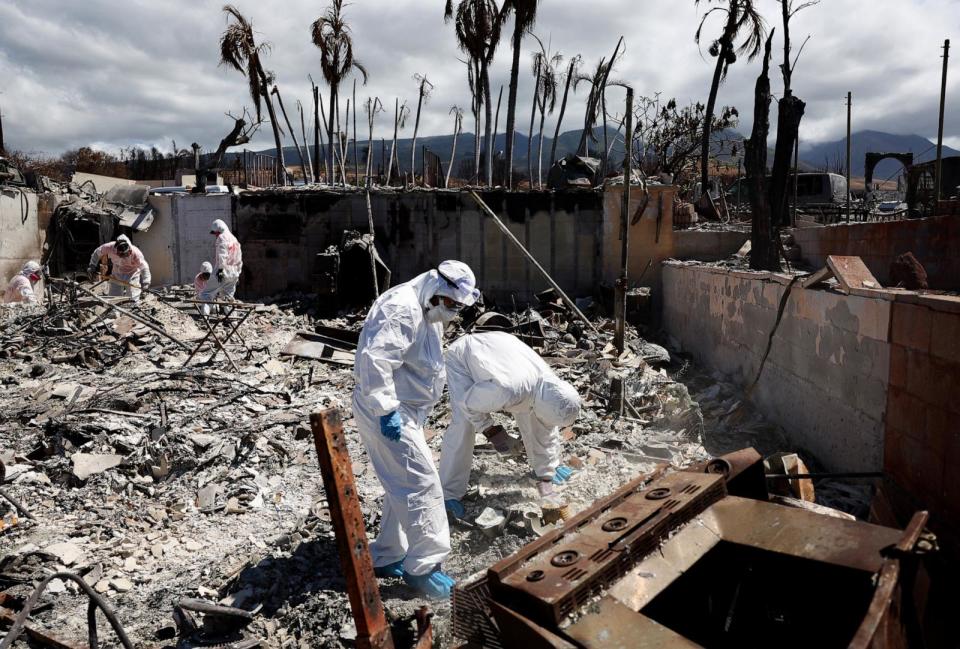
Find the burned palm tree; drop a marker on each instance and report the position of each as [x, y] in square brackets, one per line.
[374, 106]
[568, 80]
[425, 87]
[524, 16]
[598, 84]
[293, 134]
[331, 34]
[478, 25]
[240, 51]
[400, 114]
[743, 23]
[546, 69]
[457, 113]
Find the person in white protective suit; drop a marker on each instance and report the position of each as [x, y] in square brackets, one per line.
[20, 287]
[129, 266]
[200, 281]
[399, 376]
[491, 372]
[227, 264]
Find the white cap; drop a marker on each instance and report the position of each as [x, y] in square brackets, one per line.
[30, 268]
[457, 282]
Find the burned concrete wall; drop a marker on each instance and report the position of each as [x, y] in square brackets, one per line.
[935, 241]
[825, 380]
[282, 232]
[21, 235]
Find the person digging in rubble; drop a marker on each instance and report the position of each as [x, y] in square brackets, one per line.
[200, 282]
[399, 374]
[20, 286]
[491, 372]
[129, 266]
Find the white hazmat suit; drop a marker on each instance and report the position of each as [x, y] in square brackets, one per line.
[131, 268]
[491, 372]
[399, 368]
[20, 287]
[228, 258]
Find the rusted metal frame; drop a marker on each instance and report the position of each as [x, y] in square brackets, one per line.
[96, 601]
[216, 339]
[234, 333]
[36, 634]
[889, 578]
[373, 632]
[199, 345]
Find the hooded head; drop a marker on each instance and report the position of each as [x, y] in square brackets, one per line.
[123, 245]
[556, 402]
[206, 267]
[456, 281]
[32, 271]
[219, 227]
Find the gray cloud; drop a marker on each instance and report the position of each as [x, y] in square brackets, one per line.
[144, 72]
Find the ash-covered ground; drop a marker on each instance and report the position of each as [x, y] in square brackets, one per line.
[225, 501]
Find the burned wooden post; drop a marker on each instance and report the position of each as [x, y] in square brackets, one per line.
[350, 531]
[620, 297]
[765, 252]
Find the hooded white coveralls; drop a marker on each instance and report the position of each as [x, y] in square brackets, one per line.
[20, 287]
[132, 269]
[491, 372]
[226, 255]
[399, 367]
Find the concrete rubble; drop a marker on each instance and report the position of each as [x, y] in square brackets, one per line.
[157, 481]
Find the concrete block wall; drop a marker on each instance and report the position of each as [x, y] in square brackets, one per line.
[282, 232]
[825, 379]
[935, 241]
[707, 245]
[922, 445]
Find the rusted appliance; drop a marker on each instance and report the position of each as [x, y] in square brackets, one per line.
[698, 558]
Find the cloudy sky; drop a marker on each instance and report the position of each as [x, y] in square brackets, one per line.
[115, 73]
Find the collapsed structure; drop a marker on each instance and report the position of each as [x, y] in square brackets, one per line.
[164, 458]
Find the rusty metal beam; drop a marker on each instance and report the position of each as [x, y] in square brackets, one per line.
[373, 632]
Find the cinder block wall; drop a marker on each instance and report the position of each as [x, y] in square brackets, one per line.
[282, 232]
[21, 237]
[825, 380]
[865, 382]
[935, 241]
[922, 449]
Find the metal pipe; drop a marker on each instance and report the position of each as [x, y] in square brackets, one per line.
[532, 260]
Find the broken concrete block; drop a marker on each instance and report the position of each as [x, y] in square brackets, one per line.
[595, 456]
[88, 464]
[102, 586]
[120, 584]
[66, 553]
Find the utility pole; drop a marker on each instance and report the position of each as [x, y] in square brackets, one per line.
[620, 297]
[849, 98]
[943, 97]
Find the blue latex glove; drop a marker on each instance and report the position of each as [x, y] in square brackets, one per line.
[394, 569]
[390, 426]
[562, 474]
[456, 509]
[435, 585]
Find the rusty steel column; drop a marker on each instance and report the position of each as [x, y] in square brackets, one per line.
[373, 632]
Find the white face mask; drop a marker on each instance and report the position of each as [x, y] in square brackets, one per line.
[441, 313]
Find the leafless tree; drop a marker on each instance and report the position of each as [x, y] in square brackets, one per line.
[303, 132]
[400, 114]
[457, 113]
[570, 76]
[374, 106]
[283, 111]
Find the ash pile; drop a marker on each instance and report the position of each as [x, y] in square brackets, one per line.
[161, 475]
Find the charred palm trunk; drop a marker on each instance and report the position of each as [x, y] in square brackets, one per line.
[416, 127]
[332, 118]
[512, 101]
[282, 170]
[496, 125]
[533, 115]
[765, 248]
[457, 125]
[488, 119]
[563, 108]
[356, 156]
[316, 132]
[293, 133]
[393, 145]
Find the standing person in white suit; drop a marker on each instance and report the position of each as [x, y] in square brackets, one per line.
[491, 372]
[227, 264]
[399, 376]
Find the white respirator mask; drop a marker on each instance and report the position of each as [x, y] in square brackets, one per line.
[441, 314]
